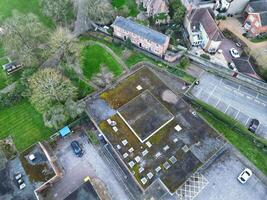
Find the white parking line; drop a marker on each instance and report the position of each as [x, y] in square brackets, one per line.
[238, 111]
[211, 94]
[227, 108]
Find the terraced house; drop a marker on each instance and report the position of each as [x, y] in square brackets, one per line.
[141, 36]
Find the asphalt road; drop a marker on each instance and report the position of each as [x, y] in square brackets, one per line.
[239, 102]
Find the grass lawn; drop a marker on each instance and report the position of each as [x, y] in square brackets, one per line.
[247, 143]
[24, 124]
[5, 79]
[23, 6]
[131, 4]
[83, 88]
[93, 57]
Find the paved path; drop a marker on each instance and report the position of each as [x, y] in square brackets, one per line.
[117, 58]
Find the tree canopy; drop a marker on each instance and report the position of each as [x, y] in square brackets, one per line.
[48, 87]
[99, 11]
[177, 11]
[61, 11]
[23, 38]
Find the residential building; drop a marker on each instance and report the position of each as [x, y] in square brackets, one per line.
[256, 17]
[202, 29]
[141, 36]
[193, 4]
[154, 7]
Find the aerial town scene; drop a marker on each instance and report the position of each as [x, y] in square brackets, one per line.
[133, 99]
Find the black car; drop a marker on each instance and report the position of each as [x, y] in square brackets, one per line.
[76, 148]
[253, 125]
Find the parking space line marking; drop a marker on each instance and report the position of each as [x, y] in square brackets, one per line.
[238, 111]
[219, 100]
[247, 121]
[211, 94]
[227, 108]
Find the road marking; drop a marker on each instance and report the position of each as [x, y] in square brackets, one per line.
[218, 103]
[211, 94]
[227, 108]
[247, 121]
[238, 111]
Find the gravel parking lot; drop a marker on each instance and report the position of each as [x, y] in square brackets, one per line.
[223, 184]
[239, 102]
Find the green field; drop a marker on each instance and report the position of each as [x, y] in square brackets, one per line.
[24, 124]
[23, 6]
[131, 4]
[93, 57]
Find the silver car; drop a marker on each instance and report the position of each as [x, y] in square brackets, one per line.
[244, 176]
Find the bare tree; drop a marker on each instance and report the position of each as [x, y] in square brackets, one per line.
[99, 11]
[61, 11]
[23, 38]
[63, 44]
[48, 87]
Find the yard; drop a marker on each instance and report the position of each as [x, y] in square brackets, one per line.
[24, 124]
[23, 6]
[130, 4]
[93, 57]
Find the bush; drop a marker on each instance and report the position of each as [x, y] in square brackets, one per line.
[184, 62]
[205, 56]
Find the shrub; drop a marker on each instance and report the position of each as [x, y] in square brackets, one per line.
[205, 56]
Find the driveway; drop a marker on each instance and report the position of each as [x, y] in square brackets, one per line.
[223, 184]
[77, 168]
[258, 50]
[239, 102]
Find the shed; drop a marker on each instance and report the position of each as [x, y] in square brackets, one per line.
[64, 131]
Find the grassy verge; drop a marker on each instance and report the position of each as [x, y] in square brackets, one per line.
[130, 4]
[259, 39]
[24, 124]
[93, 57]
[24, 6]
[251, 146]
[92, 137]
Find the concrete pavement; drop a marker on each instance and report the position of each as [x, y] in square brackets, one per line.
[239, 102]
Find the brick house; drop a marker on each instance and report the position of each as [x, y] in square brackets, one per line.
[202, 29]
[256, 17]
[141, 36]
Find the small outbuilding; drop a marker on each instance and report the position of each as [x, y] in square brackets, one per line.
[64, 131]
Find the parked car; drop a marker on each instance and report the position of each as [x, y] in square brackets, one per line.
[18, 176]
[234, 53]
[232, 66]
[76, 148]
[238, 44]
[244, 176]
[22, 186]
[253, 125]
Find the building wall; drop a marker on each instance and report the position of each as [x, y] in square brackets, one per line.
[143, 43]
[237, 6]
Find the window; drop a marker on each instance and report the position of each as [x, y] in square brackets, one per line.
[251, 18]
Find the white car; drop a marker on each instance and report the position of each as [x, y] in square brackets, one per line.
[245, 175]
[234, 53]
